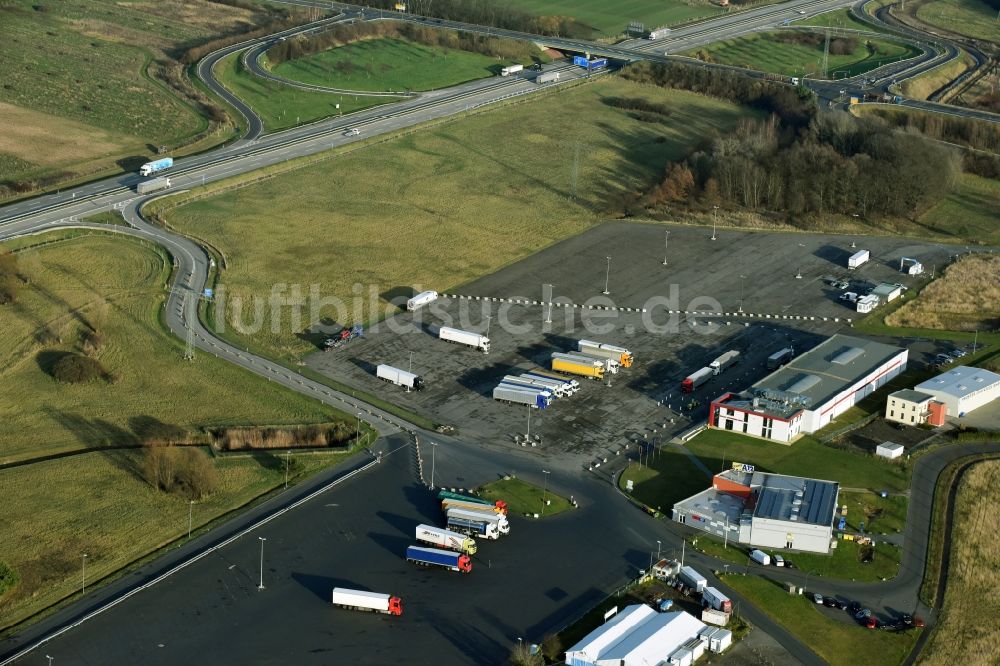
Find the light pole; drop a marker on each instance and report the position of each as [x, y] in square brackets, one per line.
[666, 241]
[410, 368]
[657, 550]
[261, 585]
[84, 585]
[607, 277]
[545, 487]
[50, 659]
[433, 449]
[548, 319]
[287, 455]
[742, 277]
[190, 516]
[528, 435]
[715, 210]
[357, 431]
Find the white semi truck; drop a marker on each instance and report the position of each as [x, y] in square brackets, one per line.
[511, 69]
[436, 536]
[152, 185]
[367, 601]
[601, 350]
[724, 361]
[457, 335]
[858, 258]
[421, 299]
[490, 516]
[399, 377]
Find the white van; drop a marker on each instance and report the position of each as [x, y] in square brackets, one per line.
[779, 561]
[760, 557]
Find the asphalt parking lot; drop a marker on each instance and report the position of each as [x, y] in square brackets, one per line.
[354, 536]
[645, 399]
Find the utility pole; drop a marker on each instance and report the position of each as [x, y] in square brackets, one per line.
[715, 210]
[261, 585]
[607, 277]
[191, 516]
[666, 241]
[84, 586]
[433, 450]
[548, 319]
[287, 455]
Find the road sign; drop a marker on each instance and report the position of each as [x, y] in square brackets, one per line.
[208, 292]
[581, 61]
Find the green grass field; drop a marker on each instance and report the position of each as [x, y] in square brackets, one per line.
[973, 18]
[389, 64]
[842, 563]
[806, 457]
[838, 643]
[766, 52]
[116, 286]
[96, 503]
[881, 515]
[76, 96]
[969, 213]
[499, 184]
[839, 18]
[525, 498]
[281, 106]
[671, 477]
[613, 18]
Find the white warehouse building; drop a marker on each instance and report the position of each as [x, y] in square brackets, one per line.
[640, 636]
[810, 391]
[963, 389]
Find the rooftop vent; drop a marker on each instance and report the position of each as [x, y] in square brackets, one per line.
[848, 355]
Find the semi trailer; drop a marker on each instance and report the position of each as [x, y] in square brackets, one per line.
[696, 379]
[712, 598]
[610, 364]
[601, 350]
[474, 526]
[514, 380]
[436, 536]
[724, 361]
[421, 299]
[511, 69]
[449, 503]
[547, 77]
[149, 168]
[498, 519]
[435, 557]
[399, 377]
[858, 258]
[457, 335]
[779, 358]
[693, 579]
[447, 494]
[372, 602]
[152, 185]
[558, 388]
[520, 395]
[542, 372]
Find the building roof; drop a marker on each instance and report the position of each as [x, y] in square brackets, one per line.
[599, 640]
[910, 395]
[655, 639]
[813, 378]
[960, 381]
[889, 446]
[795, 499]
[886, 289]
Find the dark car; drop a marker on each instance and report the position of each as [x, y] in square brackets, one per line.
[854, 607]
[863, 614]
[871, 622]
[842, 605]
[906, 620]
[829, 602]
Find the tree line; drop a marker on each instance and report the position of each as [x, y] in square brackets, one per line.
[797, 160]
[341, 34]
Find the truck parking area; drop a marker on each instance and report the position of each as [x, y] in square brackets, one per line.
[740, 274]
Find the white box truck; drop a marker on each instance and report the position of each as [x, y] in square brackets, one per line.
[858, 258]
[436, 536]
[712, 598]
[152, 185]
[693, 579]
[760, 557]
[421, 299]
[498, 519]
[724, 361]
[457, 335]
[547, 77]
[511, 69]
[367, 601]
[399, 377]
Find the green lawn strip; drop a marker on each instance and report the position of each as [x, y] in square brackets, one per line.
[770, 53]
[97, 503]
[498, 183]
[973, 18]
[969, 213]
[842, 562]
[669, 478]
[806, 457]
[116, 285]
[389, 65]
[524, 498]
[612, 19]
[282, 106]
[840, 18]
[107, 217]
[881, 515]
[836, 642]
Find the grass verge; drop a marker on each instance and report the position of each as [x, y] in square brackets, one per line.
[670, 477]
[525, 498]
[612, 19]
[972, 18]
[838, 643]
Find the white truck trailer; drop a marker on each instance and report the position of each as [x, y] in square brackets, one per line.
[152, 185]
[399, 377]
[522, 395]
[436, 536]
[693, 579]
[858, 258]
[490, 516]
[514, 380]
[609, 364]
[603, 350]
[367, 601]
[548, 374]
[724, 361]
[712, 598]
[511, 69]
[558, 388]
[457, 335]
[421, 299]
[547, 77]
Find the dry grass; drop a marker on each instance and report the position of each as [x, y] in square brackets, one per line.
[971, 607]
[50, 140]
[921, 86]
[965, 298]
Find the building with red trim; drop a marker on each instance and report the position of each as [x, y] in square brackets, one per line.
[810, 391]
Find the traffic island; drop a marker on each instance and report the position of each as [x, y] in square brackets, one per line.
[525, 498]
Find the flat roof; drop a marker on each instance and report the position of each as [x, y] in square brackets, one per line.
[795, 499]
[960, 381]
[612, 631]
[659, 635]
[714, 505]
[911, 396]
[813, 378]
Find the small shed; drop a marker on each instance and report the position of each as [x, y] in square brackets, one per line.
[867, 303]
[889, 450]
[887, 292]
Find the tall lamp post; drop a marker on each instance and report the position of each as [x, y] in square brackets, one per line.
[548, 319]
[607, 277]
[84, 585]
[433, 450]
[191, 515]
[260, 586]
[545, 487]
[715, 210]
[666, 241]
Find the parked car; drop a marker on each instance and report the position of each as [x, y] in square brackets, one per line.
[829, 602]
[906, 619]
[863, 614]
[840, 605]
[778, 560]
[958, 353]
[854, 607]
[871, 622]
[818, 598]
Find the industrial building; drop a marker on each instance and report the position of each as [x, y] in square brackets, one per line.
[640, 636]
[963, 389]
[810, 391]
[914, 408]
[764, 510]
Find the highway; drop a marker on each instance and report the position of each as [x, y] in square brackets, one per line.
[257, 150]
